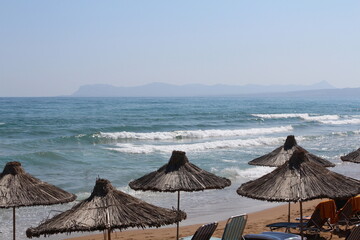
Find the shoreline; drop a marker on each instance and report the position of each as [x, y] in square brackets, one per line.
[256, 224]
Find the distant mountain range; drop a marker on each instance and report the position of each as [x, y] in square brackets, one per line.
[322, 88]
[189, 90]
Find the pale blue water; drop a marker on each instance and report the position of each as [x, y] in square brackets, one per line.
[69, 142]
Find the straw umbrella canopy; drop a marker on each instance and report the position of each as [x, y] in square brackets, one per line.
[352, 157]
[179, 175]
[107, 209]
[283, 153]
[300, 180]
[20, 189]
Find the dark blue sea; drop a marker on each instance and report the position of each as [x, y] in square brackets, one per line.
[69, 142]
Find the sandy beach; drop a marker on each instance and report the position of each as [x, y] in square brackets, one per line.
[256, 224]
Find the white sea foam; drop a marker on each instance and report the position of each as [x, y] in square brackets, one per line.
[196, 134]
[342, 122]
[82, 195]
[282, 115]
[340, 133]
[246, 174]
[229, 161]
[321, 118]
[225, 144]
[304, 116]
[325, 119]
[2, 123]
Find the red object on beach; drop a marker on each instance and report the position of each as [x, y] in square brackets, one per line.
[300, 180]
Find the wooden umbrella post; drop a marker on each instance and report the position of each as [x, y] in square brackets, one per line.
[288, 229]
[301, 221]
[289, 212]
[108, 223]
[14, 222]
[177, 223]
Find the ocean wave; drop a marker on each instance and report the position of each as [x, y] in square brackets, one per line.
[321, 118]
[225, 144]
[325, 119]
[195, 134]
[228, 161]
[304, 116]
[281, 115]
[2, 123]
[246, 174]
[342, 122]
[82, 195]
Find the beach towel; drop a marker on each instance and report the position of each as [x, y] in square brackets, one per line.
[327, 209]
[355, 202]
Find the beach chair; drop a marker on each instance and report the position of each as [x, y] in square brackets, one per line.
[354, 234]
[321, 215]
[234, 228]
[348, 215]
[272, 236]
[204, 232]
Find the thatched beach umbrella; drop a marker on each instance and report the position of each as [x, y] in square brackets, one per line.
[20, 189]
[107, 209]
[300, 180]
[179, 175]
[352, 157]
[283, 153]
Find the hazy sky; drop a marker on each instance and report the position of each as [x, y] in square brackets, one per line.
[50, 48]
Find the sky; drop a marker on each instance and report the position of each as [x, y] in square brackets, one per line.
[51, 48]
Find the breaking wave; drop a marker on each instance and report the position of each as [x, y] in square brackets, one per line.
[195, 134]
[325, 119]
[246, 174]
[282, 115]
[225, 144]
[343, 122]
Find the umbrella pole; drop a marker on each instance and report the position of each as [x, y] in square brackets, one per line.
[289, 213]
[14, 228]
[109, 234]
[177, 223]
[301, 221]
[288, 229]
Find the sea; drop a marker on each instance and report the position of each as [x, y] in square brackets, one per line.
[70, 142]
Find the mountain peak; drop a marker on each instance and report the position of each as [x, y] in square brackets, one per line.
[159, 89]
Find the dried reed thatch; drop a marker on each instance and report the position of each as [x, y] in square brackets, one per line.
[299, 179]
[352, 157]
[19, 189]
[179, 175]
[107, 209]
[283, 153]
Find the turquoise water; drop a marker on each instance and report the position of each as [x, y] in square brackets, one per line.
[69, 142]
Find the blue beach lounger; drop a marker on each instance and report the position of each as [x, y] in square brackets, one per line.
[234, 228]
[203, 233]
[315, 224]
[273, 236]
